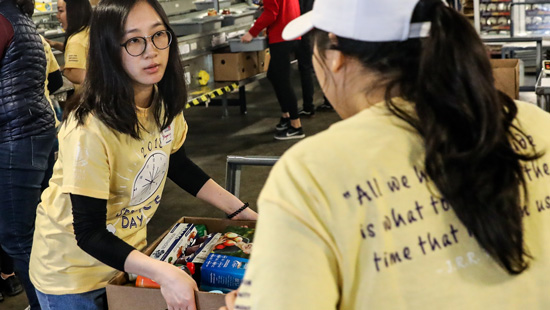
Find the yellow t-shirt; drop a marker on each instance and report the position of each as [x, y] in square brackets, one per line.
[347, 221]
[51, 66]
[97, 162]
[76, 51]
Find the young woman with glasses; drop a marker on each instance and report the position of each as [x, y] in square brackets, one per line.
[115, 145]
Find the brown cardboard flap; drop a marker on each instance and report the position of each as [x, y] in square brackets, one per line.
[127, 297]
[209, 301]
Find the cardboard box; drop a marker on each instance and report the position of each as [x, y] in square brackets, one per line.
[235, 66]
[123, 295]
[506, 74]
[263, 60]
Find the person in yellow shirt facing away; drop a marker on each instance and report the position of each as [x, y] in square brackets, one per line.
[74, 16]
[431, 193]
[119, 141]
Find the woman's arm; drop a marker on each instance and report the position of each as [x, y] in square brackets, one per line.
[55, 81]
[6, 35]
[195, 181]
[268, 17]
[220, 198]
[75, 75]
[89, 218]
[56, 44]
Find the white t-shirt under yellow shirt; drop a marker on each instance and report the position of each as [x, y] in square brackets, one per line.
[347, 221]
[97, 162]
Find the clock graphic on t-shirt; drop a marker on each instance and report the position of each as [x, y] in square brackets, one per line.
[149, 178]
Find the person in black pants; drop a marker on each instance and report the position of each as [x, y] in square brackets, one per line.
[275, 16]
[305, 65]
[278, 74]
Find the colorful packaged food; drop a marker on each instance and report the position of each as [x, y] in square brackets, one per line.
[146, 282]
[235, 241]
[175, 242]
[222, 272]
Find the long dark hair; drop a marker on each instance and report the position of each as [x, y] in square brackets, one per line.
[26, 6]
[79, 14]
[107, 90]
[466, 124]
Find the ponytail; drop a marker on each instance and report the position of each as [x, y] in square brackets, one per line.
[467, 129]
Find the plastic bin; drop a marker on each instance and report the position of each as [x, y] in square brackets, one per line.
[185, 27]
[238, 18]
[257, 44]
[205, 5]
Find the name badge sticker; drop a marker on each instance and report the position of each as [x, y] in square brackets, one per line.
[167, 135]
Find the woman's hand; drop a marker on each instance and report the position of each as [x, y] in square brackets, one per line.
[230, 300]
[247, 38]
[55, 44]
[177, 288]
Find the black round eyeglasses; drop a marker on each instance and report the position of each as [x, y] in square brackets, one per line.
[137, 45]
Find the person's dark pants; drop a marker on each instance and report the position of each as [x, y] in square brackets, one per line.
[305, 66]
[22, 166]
[6, 262]
[278, 74]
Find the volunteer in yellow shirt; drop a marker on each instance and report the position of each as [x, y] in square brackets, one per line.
[122, 138]
[433, 192]
[74, 16]
[76, 52]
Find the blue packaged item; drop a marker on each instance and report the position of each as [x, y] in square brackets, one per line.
[222, 272]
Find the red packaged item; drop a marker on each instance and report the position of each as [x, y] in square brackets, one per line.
[146, 282]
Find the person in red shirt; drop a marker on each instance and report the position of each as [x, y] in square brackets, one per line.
[276, 15]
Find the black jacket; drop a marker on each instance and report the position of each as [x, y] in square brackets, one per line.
[24, 110]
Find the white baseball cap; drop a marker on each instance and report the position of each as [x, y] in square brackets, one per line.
[362, 20]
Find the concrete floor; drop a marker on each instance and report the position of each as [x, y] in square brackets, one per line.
[211, 138]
